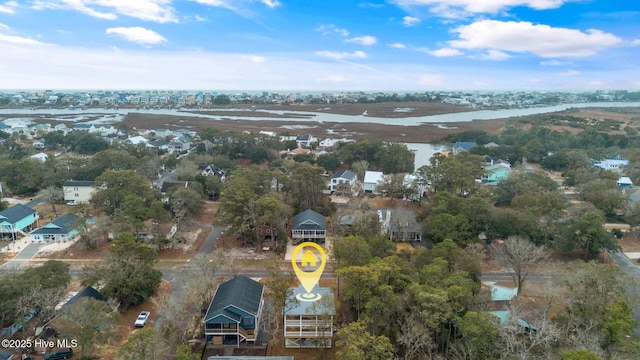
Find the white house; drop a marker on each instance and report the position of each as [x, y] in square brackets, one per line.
[78, 191]
[346, 177]
[615, 164]
[371, 181]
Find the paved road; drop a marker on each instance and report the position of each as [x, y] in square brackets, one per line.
[23, 257]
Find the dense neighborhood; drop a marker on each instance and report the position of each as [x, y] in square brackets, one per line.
[194, 229]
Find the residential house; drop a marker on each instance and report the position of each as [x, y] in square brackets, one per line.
[42, 157]
[84, 127]
[39, 144]
[78, 191]
[345, 181]
[617, 164]
[624, 182]
[328, 142]
[179, 145]
[371, 181]
[166, 185]
[135, 140]
[305, 140]
[401, 225]
[60, 229]
[309, 226]
[496, 172]
[463, 146]
[234, 313]
[501, 299]
[158, 145]
[212, 170]
[17, 220]
[309, 324]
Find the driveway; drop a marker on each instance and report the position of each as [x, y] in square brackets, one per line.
[23, 257]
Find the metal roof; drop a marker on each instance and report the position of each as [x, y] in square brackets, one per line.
[240, 292]
[309, 220]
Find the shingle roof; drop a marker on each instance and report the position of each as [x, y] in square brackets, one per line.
[466, 145]
[347, 174]
[5, 355]
[16, 213]
[169, 184]
[78, 183]
[60, 226]
[309, 220]
[241, 292]
[86, 292]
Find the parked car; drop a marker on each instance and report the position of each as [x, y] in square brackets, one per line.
[59, 354]
[142, 319]
[72, 203]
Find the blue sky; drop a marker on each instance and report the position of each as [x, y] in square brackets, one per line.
[332, 45]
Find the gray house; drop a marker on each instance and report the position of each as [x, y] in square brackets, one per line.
[309, 226]
[234, 313]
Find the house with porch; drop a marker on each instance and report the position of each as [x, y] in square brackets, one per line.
[17, 220]
[401, 225]
[61, 229]
[234, 313]
[309, 324]
[344, 180]
[78, 191]
[371, 181]
[309, 226]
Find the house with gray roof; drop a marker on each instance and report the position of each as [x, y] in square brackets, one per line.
[344, 180]
[463, 146]
[309, 324]
[309, 226]
[234, 313]
[60, 229]
[78, 191]
[17, 220]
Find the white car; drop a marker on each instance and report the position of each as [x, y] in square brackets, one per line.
[142, 319]
[72, 203]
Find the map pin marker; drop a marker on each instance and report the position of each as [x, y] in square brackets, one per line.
[311, 260]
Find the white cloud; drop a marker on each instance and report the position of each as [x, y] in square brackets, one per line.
[495, 55]
[137, 34]
[445, 52]
[555, 63]
[4, 27]
[238, 6]
[363, 40]
[271, 3]
[398, 46]
[342, 55]
[462, 8]
[410, 20]
[330, 29]
[10, 39]
[635, 42]
[255, 58]
[523, 37]
[570, 73]
[149, 10]
[8, 7]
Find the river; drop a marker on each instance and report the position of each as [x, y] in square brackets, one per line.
[115, 115]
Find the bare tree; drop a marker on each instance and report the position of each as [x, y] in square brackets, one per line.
[519, 254]
[52, 195]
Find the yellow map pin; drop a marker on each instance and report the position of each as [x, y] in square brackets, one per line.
[311, 260]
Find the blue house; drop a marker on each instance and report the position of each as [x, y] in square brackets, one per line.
[496, 173]
[60, 229]
[17, 220]
[234, 313]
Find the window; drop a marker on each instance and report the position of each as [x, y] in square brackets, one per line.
[247, 320]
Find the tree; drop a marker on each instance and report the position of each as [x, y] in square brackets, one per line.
[588, 232]
[456, 174]
[52, 195]
[455, 227]
[356, 343]
[184, 203]
[329, 162]
[478, 336]
[116, 185]
[128, 273]
[305, 188]
[140, 345]
[518, 253]
[279, 286]
[582, 354]
[184, 352]
[360, 167]
[351, 251]
[91, 324]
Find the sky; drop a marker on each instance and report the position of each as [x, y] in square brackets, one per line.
[327, 45]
